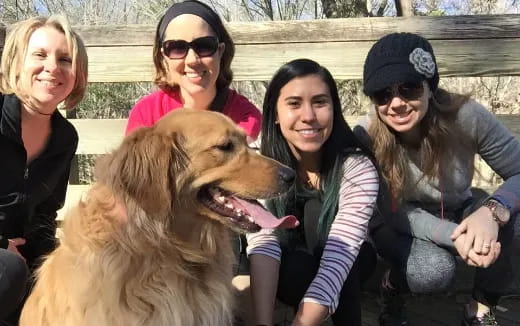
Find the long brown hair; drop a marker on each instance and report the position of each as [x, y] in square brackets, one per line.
[438, 130]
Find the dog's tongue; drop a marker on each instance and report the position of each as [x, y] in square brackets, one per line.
[265, 219]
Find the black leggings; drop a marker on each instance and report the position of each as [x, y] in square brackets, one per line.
[13, 278]
[299, 267]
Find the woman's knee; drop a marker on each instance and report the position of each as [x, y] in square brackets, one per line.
[392, 246]
[429, 268]
[13, 279]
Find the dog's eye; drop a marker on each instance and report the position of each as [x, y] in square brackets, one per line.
[226, 147]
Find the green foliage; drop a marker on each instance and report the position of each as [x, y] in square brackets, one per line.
[437, 12]
[344, 8]
[105, 101]
[86, 165]
[110, 100]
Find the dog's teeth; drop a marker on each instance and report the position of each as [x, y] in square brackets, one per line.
[239, 212]
[250, 219]
[229, 205]
[221, 199]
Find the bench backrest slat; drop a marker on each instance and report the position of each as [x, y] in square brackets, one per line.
[464, 46]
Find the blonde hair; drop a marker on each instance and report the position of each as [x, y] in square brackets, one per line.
[15, 51]
[438, 130]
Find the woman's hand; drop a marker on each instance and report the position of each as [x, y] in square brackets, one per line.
[310, 314]
[481, 231]
[13, 246]
[474, 259]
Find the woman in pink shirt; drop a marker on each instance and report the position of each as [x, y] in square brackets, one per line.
[192, 56]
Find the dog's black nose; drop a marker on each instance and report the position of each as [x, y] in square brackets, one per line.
[287, 175]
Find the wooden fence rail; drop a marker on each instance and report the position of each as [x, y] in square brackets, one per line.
[464, 46]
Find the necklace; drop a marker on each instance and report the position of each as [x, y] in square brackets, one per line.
[35, 110]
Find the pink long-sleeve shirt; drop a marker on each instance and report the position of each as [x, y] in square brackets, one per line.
[149, 109]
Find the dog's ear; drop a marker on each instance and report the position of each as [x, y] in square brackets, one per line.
[145, 167]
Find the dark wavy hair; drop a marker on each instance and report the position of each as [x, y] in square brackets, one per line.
[335, 150]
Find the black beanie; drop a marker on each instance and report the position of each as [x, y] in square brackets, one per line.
[399, 58]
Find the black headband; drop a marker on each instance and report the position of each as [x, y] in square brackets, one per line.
[192, 7]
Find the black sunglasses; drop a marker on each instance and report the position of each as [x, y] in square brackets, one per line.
[407, 91]
[204, 46]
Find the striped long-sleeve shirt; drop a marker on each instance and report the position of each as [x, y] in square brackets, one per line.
[357, 198]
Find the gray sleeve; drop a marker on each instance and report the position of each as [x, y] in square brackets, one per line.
[498, 147]
[421, 224]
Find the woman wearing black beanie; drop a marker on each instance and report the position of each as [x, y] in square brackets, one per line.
[425, 139]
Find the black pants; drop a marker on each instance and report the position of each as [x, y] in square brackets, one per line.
[13, 279]
[299, 267]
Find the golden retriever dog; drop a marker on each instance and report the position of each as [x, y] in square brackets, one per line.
[150, 242]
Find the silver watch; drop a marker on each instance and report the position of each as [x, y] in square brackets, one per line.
[499, 212]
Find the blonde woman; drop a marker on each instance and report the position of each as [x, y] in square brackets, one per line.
[425, 139]
[44, 65]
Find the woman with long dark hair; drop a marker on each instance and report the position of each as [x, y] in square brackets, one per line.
[316, 267]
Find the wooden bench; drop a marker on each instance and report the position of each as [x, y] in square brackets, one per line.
[464, 46]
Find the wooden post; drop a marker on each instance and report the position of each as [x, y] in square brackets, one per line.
[74, 164]
[2, 39]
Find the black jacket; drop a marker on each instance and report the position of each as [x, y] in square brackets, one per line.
[31, 195]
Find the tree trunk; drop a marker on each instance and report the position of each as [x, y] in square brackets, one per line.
[404, 8]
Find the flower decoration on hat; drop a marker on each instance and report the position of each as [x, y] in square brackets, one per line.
[423, 62]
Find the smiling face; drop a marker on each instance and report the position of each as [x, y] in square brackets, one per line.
[47, 73]
[404, 116]
[193, 74]
[305, 114]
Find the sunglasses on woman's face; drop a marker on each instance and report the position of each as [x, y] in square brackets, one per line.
[203, 46]
[406, 91]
